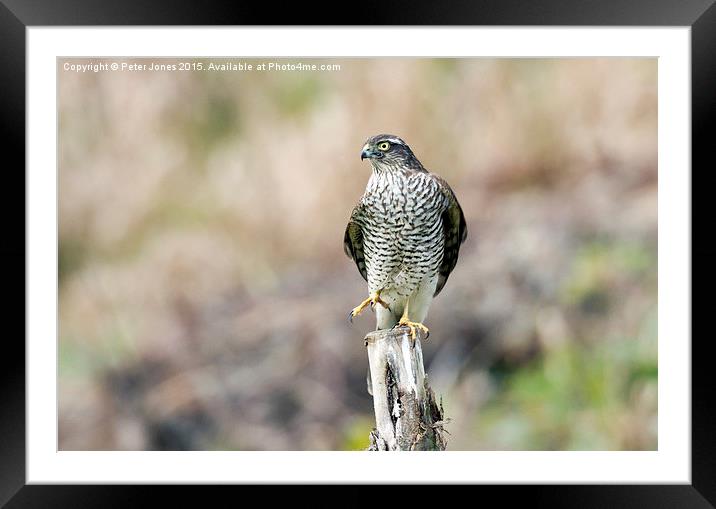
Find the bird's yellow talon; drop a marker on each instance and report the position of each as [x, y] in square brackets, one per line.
[380, 301]
[413, 326]
[372, 300]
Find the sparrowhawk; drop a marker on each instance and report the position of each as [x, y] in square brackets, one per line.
[404, 235]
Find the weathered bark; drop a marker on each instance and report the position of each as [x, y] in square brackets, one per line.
[406, 413]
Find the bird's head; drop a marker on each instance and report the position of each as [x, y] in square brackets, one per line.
[387, 151]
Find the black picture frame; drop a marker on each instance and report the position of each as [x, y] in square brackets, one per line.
[17, 15]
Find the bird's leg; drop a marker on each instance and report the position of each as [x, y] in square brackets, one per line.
[404, 320]
[373, 299]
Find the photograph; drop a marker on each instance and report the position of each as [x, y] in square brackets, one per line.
[351, 254]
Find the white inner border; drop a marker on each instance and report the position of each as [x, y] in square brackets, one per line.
[671, 463]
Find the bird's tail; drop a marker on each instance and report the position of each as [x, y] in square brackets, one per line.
[385, 319]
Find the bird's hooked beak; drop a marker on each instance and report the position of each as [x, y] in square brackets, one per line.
[370, 153]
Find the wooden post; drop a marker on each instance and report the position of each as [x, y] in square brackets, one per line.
[407, 417]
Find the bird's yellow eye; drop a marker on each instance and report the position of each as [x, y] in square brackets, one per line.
[383, 145]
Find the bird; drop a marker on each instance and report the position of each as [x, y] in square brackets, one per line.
[404, 235]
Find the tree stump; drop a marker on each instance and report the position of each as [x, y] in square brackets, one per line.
[407, 416]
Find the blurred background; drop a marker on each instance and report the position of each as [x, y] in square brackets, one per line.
[203, 288]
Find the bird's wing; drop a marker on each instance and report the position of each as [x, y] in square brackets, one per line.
[353, 242]
[454, 233]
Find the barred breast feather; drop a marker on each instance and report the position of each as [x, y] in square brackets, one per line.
[407, 227]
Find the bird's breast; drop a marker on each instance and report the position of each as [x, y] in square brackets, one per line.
[402, 202]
